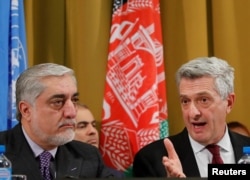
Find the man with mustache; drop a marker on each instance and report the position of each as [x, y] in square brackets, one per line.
[46, 99]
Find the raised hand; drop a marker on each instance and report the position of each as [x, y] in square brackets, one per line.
[172, 163]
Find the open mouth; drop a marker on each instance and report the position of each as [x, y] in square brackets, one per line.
[199, 124]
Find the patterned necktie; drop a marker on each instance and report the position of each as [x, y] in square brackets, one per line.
[45, 157]
[215, 150]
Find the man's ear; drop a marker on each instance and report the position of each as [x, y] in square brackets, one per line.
[25, 109]
[230, 102]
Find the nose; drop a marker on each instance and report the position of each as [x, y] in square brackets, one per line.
[194, 110]
[70, 109]
[92, 129]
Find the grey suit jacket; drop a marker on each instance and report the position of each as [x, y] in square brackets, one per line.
[148, 161]
[73, 160]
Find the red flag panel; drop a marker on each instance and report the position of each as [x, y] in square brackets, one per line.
[135, 101]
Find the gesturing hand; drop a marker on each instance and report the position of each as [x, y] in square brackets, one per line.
[172, 163]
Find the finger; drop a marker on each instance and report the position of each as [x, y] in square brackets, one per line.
[167, 164]
[170, 148]
[165, 160]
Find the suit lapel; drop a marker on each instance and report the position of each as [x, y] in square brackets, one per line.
[21, 154]
[69, 167]
[237, 143]
[186, 155]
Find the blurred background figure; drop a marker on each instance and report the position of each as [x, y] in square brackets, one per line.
[239, 128]
[86, 131]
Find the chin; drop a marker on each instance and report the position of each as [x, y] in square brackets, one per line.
[64, 137]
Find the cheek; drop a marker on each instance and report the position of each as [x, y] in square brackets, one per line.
[80, 133]
[185, 114]
[221, 111]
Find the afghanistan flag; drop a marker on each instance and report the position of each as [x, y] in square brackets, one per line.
[135, 103]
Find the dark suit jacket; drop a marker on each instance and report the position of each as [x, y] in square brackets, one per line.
[74, 159]
[116, 173]
[148, 161]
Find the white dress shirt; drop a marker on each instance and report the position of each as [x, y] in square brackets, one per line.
[204, 157]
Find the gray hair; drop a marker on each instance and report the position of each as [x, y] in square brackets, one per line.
[29, 85]
[214, 67]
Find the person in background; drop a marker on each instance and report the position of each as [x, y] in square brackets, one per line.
[86, 131]
[206, 95]
[46, 100]
[239, 128]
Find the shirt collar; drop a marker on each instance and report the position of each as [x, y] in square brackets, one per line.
[37, 150]
[224, 143]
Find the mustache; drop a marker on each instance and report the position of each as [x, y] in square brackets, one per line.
[71, 122]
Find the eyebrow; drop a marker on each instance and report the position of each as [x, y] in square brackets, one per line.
[198, 94]
[76, 94]
[86, 122]
[63, 95]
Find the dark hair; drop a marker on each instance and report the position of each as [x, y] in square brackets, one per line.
[236, 124]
